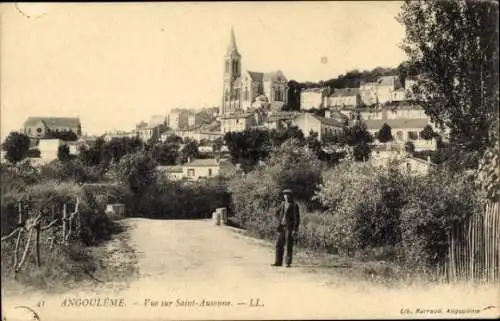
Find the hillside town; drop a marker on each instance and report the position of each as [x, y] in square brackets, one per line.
[353, 173]
[257, 100]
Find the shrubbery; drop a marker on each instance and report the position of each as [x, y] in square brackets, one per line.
[256, 195]
[437, 204]
[148, 193]
[372, 209]
[25, 188]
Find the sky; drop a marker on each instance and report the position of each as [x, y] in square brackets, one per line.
[114, 65]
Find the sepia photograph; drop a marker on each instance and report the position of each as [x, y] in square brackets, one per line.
[242, 160]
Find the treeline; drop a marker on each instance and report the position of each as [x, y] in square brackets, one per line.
[353, 78]
[251, 147]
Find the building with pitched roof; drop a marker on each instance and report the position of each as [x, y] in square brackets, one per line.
[308, 122]
[241, 88]
[368, 93]
[39, 127]
[238, 122]
[198, 169]
[406, 123]
[344, 97]
[279, 120]
[386, 85]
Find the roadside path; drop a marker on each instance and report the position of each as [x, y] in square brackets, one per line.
[180, 261]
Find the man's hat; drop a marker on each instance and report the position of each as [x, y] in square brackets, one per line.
[287, 191]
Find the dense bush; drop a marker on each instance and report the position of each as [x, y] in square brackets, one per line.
[256, 195]
[349, 195]
[179, 200]
[73, 170]
[369, 209]
[437, 204]
[16, 146]
[49, 198]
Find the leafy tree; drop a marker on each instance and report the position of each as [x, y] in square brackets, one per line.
[137, 171]
[166, 154]
[173, 139]
[293, 96]
[455, 46]
[118, 147]
[384, 135]
[361, 151]
[188, 151]
[63, 153]
[427, 133]
[16, 146]
[356, 134]
[278, 137]
[248, 147]
[95, 153]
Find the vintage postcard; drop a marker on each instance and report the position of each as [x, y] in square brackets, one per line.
[249, 160]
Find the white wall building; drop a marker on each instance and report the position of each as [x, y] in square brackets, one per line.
[308, 122]
[344, 97]
[312, 98]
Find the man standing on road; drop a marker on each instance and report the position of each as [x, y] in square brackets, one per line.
[288, 226]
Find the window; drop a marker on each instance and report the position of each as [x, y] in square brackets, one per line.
[209, 172]
[190, 172]
[399, 135]
[39, 130]
[227, 67]
[413, 135]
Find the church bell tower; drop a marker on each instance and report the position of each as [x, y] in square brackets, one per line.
[232, 70]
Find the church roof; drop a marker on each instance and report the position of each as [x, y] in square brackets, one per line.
[265, 76]
[274, 75]
[69, 122]
[256, 76]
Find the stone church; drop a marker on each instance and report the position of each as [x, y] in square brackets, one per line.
[245, 90]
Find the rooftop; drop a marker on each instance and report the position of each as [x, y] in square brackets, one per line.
[170, 169]
[71, 122]
[324, 120]
[389, 81]
[208, 162]
[376, 124]
[238, 115]
[345, 92]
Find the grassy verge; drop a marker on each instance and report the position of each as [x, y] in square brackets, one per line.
[75, 266]
[366, 268]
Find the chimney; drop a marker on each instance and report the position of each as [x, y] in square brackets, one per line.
[189, 160]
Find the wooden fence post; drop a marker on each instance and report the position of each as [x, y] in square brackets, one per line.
[18, 240]
[65, 222]
[37, 243]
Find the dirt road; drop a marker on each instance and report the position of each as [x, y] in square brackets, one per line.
[194, 270]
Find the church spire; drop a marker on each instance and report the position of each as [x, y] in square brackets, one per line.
[232, 43]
